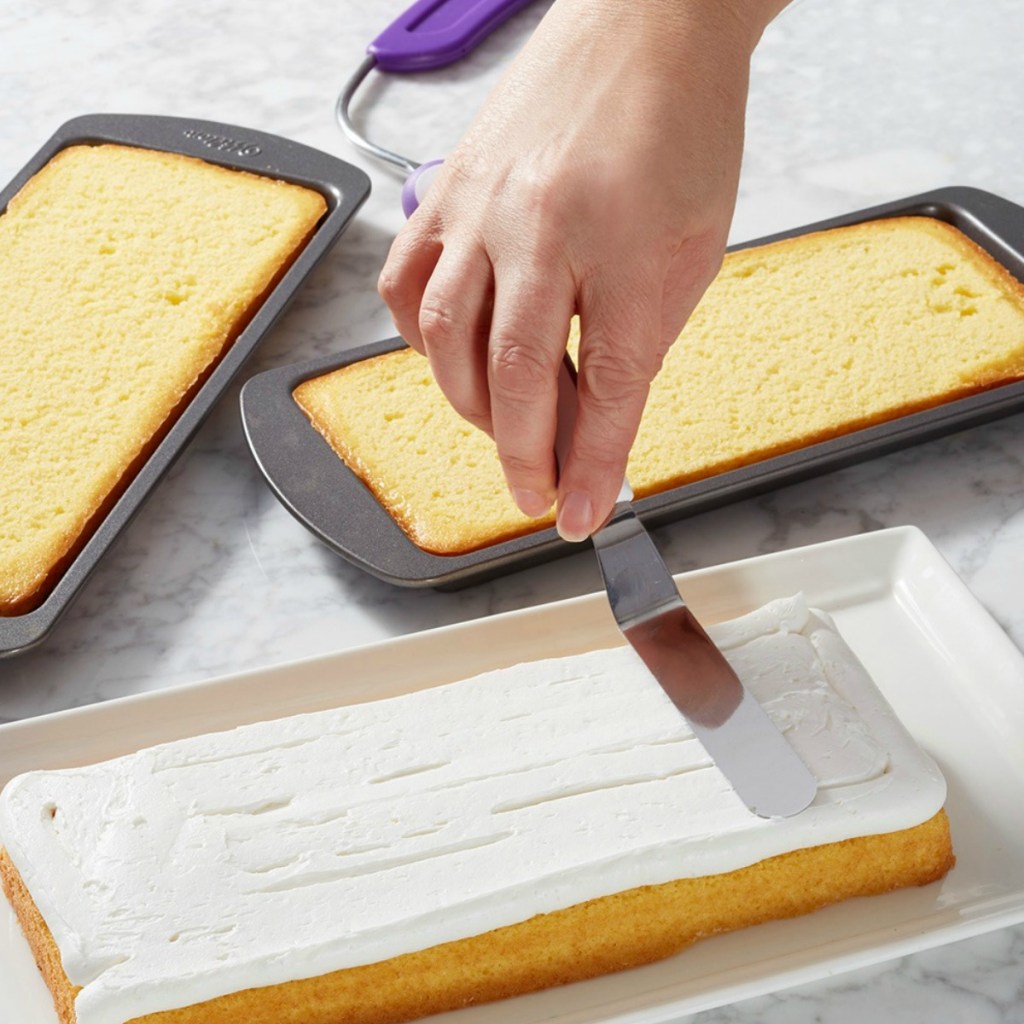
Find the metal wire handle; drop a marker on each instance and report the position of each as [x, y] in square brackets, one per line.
[341, 111]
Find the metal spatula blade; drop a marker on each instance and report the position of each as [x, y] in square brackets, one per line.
[742, 740]
[758, 761]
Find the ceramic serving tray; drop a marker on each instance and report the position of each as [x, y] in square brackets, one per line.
[333, 503]
[343, 186]
[951, 674]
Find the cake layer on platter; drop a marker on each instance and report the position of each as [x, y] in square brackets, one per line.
[309, 847]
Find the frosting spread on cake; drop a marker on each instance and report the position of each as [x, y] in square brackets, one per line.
[291, 848]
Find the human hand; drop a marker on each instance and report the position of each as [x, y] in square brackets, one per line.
[599, 178]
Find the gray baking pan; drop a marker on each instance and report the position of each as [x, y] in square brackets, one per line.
[331, 501]
[343, 186]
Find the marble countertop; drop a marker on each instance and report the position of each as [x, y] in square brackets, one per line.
[850, 105]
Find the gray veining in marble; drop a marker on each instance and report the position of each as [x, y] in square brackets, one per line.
[851, 104]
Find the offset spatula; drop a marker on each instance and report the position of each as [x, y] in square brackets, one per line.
[744, 743]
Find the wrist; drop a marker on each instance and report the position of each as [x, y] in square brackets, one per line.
[731, 24]
[740, 23]
[753, 16]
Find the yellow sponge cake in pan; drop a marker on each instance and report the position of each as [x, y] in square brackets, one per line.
[532, 826]
[125, 274]
[795, 342]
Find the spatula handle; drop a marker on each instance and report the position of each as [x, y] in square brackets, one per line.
[432, 33]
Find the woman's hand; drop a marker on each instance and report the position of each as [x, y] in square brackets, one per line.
[599, 179]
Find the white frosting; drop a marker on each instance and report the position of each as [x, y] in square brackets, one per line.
[291, 848]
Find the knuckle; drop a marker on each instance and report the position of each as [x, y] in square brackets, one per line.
[611, 378]
[521, 465]
[441, 323]
[390, 286]
[519, 367]
[538, 196]
[553, 218]
[464, 165]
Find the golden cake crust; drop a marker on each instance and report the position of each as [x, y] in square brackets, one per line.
[795, 342]
[612, 933]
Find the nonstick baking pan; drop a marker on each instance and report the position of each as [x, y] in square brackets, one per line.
[332, 502]
[344, 188]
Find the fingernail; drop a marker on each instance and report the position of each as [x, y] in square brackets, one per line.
[531, 503]
[575, 517]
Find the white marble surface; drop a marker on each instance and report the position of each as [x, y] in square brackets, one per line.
[851, 104]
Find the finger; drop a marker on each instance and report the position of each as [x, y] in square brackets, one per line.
[406, 272]
[529, 330]
[454, 320]
[619, 355]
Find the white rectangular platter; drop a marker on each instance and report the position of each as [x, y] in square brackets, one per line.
[951, 674]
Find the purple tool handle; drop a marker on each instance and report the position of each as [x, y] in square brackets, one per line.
[417, 184]
[432, 33]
